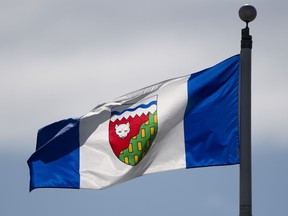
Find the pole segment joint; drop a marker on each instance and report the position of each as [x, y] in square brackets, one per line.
[246, 40]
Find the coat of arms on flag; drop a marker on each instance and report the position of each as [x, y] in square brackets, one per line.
[132, 130]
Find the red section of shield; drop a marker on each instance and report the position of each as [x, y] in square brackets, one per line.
[118, 144]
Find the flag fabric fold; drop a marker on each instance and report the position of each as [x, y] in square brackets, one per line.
[185, 122]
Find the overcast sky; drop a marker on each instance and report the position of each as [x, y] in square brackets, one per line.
[61, 58]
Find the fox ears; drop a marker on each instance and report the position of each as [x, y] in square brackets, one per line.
[127, 125]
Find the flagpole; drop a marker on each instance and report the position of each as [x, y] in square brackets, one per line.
[247, 13]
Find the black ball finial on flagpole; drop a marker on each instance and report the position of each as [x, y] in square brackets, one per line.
[247, 13]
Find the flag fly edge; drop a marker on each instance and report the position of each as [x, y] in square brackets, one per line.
[56, 160]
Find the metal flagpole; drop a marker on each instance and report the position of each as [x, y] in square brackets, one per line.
[247, 13]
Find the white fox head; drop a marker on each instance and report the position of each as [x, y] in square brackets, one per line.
[122, 130]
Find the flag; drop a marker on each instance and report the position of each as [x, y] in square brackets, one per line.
[185, 122]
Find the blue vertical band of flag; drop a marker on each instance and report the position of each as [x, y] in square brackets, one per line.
[56, 160]
[211, 117]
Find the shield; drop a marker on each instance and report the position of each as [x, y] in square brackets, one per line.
[132, 130]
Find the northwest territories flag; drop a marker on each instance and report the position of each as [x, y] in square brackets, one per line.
[186, 122]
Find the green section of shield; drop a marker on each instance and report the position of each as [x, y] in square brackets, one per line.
[140, 144]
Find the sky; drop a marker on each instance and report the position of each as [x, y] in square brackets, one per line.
[60, 58]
